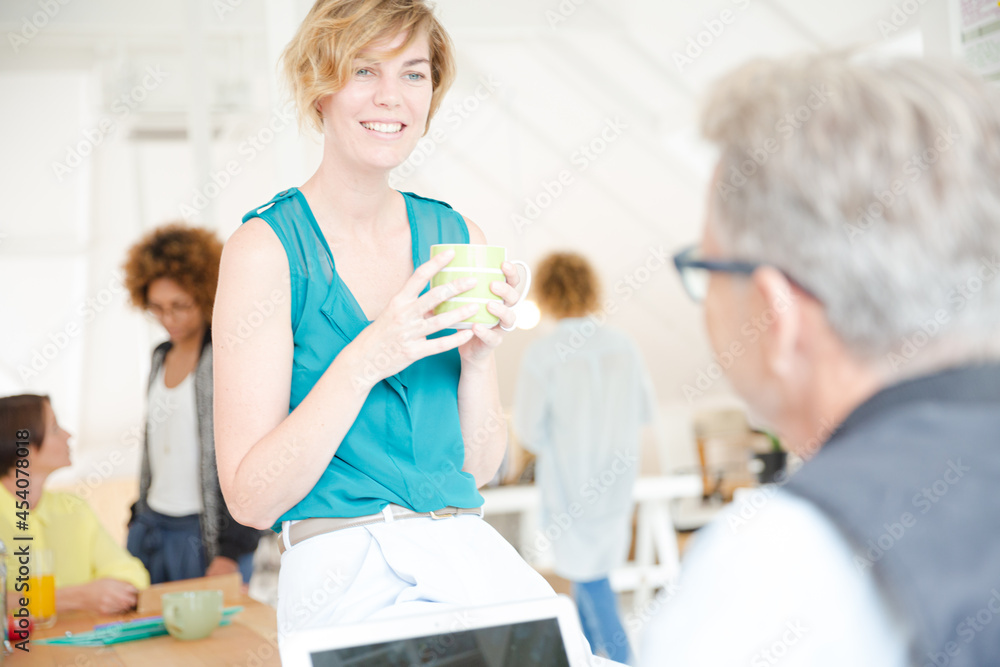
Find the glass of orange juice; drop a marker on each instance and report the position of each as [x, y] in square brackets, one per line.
[41, 593]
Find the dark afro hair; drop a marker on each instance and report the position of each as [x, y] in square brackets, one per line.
[187, 255]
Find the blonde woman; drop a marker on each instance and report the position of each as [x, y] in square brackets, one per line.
[348, 418]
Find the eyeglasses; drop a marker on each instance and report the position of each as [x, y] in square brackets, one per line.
[695, 271]
[179, 309]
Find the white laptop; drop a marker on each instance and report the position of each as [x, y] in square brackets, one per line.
[521, 634]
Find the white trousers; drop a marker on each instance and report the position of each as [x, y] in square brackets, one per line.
[400, 568]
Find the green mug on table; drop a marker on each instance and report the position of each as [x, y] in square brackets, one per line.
[481, 262]
[191, 614]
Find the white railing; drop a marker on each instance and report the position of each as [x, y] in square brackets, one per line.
[657, 560]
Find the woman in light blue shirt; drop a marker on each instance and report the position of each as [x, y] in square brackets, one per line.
[582, 395]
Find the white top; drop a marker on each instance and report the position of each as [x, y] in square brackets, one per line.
[772, 582]
[173, 448]
[582, 395]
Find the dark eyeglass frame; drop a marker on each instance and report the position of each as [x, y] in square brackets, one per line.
[684, 260]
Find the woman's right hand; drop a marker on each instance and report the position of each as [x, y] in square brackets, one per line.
[398, 336]
[105, 596]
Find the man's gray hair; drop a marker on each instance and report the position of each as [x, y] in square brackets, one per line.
[876, 186]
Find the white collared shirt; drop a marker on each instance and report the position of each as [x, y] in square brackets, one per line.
[771, 582]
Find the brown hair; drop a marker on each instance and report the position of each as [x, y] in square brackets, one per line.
[319, 59]
[567, 285]
[187, 255]
[25, 412]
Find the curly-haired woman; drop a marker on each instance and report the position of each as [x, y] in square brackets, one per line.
[181, 527]
[582, 396]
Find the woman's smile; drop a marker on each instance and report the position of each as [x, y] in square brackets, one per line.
[384, 129]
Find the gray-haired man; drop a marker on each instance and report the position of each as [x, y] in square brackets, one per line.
[864, 197]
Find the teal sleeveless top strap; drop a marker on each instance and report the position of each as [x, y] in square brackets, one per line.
[405, 447]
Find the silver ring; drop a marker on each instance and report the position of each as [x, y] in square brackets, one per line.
[505, 328]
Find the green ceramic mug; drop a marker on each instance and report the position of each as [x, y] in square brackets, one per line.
[191, 614]
[483, 263]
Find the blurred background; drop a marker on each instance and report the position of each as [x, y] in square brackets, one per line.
[572, 125]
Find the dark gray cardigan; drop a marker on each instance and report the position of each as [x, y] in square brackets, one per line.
[220, 533]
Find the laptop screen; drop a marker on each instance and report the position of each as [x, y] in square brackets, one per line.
[522, 644]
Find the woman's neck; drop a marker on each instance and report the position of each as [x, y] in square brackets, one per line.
[34, 488]
[349, 200]
[189, 345]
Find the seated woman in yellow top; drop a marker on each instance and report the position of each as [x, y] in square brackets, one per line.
[91, 570]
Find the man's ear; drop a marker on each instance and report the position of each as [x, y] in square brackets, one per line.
[781, 317]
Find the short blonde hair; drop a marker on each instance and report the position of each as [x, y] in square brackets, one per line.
[319, 59]
[567, 285]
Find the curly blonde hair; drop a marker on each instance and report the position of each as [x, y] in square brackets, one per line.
[567, 285]
[319, 59]
[187, 255]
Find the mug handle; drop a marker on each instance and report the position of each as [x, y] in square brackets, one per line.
[170, 616]
[527, 280]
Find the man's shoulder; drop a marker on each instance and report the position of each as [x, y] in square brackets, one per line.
[773, 524]
[772, 566]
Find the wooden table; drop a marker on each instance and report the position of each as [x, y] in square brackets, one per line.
[250, 640]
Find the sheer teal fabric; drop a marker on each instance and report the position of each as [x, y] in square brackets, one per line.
[405, 446]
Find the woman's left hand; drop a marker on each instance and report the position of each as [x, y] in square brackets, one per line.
[485, 339]
[221, 565]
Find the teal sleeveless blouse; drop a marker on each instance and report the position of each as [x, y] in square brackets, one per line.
[405, 446]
